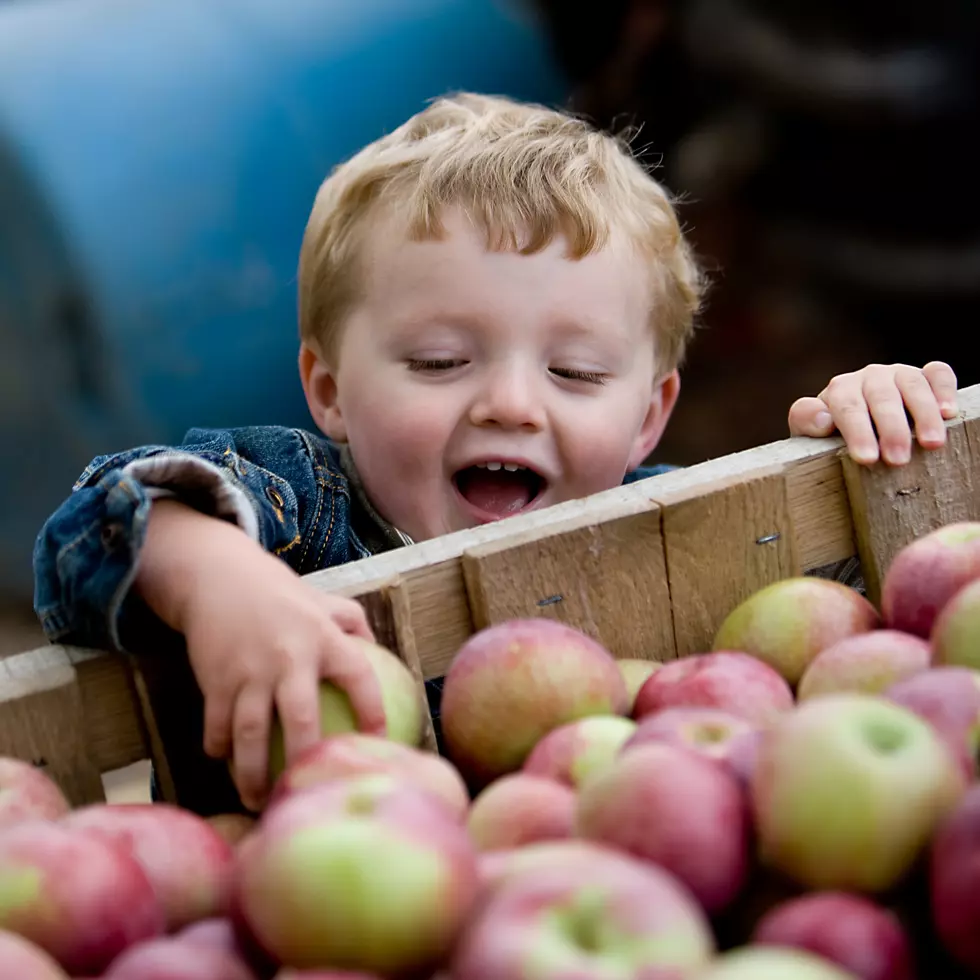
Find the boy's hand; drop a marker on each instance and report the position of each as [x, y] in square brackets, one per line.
[877, 398]
[258, 637]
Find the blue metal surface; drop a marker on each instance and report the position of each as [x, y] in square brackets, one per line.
[158, 159]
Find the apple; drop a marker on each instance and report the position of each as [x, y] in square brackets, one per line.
[848, 789]
[289, 974]
[732, 681]
[954, 881]
[168, 958]
[368, 873]
[635, 671]
[956, 633]
[619, 919]
[81, 899]
[354, 753]
[924, 575]
[949, 699]
[788, 623]
[520, 809]
[187, 861]
[400, 697]
[23, 960]
[849, 930]
[717, 735]
[771, 963]
[233, 827]
[866, 662]
[672, 807]
[512, 683]
[27, 792]
[572, 752]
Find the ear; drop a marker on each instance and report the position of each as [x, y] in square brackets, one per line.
[662, 403]
[320, 388]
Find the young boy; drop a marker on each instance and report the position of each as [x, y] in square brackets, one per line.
[493, 303]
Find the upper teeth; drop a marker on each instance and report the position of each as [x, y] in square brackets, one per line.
[510, 467]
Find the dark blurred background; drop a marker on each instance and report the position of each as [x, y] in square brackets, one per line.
[158, 159]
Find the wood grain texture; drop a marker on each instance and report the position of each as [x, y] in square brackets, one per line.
[892, 506]
[722, 545]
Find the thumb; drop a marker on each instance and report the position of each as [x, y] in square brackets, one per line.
[810, 417]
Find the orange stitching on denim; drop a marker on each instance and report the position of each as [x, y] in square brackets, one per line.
[326, 537]
[316, 521]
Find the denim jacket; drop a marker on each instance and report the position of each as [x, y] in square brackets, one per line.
[294, 492]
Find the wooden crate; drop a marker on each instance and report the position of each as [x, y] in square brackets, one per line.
[648, 569]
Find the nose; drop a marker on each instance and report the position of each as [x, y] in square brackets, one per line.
[508, 398]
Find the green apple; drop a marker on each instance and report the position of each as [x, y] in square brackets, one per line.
[848, 789]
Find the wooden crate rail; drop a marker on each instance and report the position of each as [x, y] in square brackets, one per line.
[649, 569]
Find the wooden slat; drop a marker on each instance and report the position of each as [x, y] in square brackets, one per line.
[42, 720]
[892, 506]
[722, 545]
[607, 579]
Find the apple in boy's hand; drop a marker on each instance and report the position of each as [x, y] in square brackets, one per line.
[949, 699]
[849, 930]
[512, 683]
[590, 920]
[28, 792]
[572, 752]
[401, 699]
[355, 753]
[734, 682]
[672, 807]
[519, 809]
[788, 623]
[866, 662]
[925, 574]
[847, 791]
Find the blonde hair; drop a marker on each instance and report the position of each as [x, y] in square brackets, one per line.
[524, 172]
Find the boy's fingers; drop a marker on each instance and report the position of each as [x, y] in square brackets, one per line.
[352, 618]
[810, 417]
[850, 412]
[298, 701]
[923, 406]
[250, 729]
[943, 381]
[347, 667]
[887, 408]
[217, 724]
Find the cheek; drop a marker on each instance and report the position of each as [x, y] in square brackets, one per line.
[599, 440]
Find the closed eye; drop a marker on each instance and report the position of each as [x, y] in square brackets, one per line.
[434, 364]
[593, 377]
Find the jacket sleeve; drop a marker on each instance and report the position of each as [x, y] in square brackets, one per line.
[87, 553]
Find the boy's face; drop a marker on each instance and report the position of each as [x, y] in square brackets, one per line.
[461, 364]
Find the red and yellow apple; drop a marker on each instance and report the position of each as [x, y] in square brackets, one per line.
[22, 960]
[28, 792]
[956, 633]
[571, 753]
[520, 809]
[168, 958]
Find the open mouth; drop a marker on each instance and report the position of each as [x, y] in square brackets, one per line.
[497, 490]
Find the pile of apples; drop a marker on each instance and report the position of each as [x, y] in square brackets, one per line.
[801, 802]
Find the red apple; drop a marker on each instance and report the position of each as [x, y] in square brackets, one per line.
[400, 698]
[866, 662]
[771, 963]
[667, 805]
[368, 873]
[847, 791]
[845, 929]
[717, 735]
[81, 899]
[925, 574]
[635, 672]
[954, 881]
[28, 792]
[512, 683]
[734, 682]
[188, 862]
[213, 933]
[288, 974]
[169, 958]
[949, 699]
[617, 920]
[520, 809]
[788, 623]
[956, 633]
[23, 960]
[354, 753]
[572, 752]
